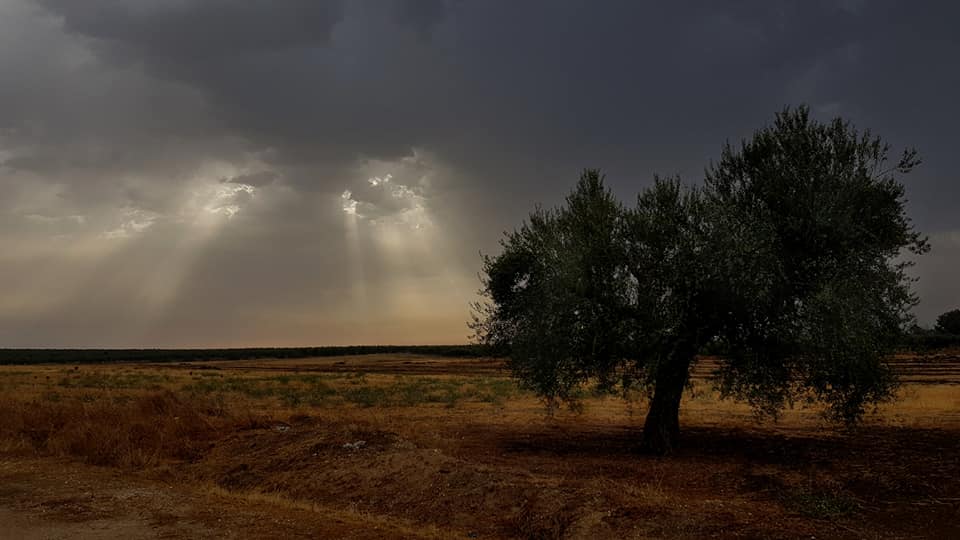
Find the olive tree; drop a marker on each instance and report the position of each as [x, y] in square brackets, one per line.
[558, 298]
[791, 258]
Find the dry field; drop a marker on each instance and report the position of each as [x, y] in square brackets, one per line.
[398, 446]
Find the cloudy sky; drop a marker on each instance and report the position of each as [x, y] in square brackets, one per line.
[302, 172]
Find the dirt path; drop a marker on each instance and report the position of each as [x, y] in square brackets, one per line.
[48, 500]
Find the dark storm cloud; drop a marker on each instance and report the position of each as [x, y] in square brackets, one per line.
[421, 15]
[325, 82]
[235, 143]
[273, 72]
[201, 30]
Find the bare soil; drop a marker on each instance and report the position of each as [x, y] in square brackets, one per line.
[57, 499]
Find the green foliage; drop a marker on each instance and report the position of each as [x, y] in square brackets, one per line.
[949, 322]
[811, 221]
[789, 259]
[556, 293]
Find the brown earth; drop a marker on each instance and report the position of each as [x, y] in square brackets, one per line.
[443, 448]
[54, 499]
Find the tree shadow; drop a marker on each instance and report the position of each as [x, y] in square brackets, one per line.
[801, 447]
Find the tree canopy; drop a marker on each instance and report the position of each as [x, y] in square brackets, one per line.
[791, 258]
[949, 322]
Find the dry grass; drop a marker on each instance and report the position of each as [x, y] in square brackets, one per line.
[349, 516]
[137, 432]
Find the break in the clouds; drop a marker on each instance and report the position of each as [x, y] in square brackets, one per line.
[219, 172]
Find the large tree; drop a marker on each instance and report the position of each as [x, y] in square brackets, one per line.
[791, 259]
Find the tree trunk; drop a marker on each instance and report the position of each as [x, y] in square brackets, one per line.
[661, 430]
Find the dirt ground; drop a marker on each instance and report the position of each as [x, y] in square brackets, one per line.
[405, 447]
[53, 499]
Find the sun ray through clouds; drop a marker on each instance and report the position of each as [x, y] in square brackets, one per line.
[390, 223]
[354, 254]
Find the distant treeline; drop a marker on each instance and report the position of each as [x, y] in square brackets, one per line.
[69, 356]
[917, 342]
[931, 340]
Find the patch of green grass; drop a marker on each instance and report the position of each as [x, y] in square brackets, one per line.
[292, 391]
[821, 505]
[356, 378]
[109, 381]
[365, 396]
[13, 379]
[314, 390]
[319, 393]
[408, 392]
[496, 391]
[255, 388]
[425, 390]
[291, 398]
